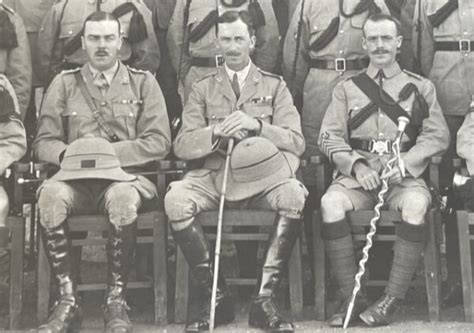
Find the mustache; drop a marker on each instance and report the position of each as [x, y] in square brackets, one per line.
[101, 53]
[380, 51]
[232, 53]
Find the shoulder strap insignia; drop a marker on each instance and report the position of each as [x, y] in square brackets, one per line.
[208, 75]
[279, 77]
[416, 76]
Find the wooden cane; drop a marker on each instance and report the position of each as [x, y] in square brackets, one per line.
[217, 251]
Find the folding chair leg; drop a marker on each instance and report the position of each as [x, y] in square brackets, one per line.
[160, 271]
[17, 227]
[296, 281]
[466, 268]
[319, 266]
[432, 268]
[43, 278]
[182, 288]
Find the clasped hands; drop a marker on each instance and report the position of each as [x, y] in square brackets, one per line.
[370, 179]
[236, 125]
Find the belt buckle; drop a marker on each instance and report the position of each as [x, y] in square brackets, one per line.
[340, 65]
[219, 60]
[465, 45]
[379, 146]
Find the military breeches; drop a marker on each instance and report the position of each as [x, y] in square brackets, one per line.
[4, 206]
[196, 192]
[412, 198]
[57, 200]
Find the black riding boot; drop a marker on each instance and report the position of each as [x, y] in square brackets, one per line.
[66, 315]
[193, 243]
[264, 312]
[121, 244]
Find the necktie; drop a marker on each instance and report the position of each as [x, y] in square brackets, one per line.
[101, 82]
[381, 77]
[235, 85]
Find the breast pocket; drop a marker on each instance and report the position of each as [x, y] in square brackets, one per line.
[448, 27]
[357, 21]
[69, 29]
[125, 120]
[77, 122]
[318, 23]
[215, 114]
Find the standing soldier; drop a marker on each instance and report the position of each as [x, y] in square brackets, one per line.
[444, 47]
[357, 132]
[321, 52]
[15, 58]
[131, 118]
[192, 37]
[59, 40]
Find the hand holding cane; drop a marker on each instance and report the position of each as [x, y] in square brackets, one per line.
[217, 251]
[402, 123]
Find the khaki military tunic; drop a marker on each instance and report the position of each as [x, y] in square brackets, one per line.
[451, 71]
[465, 142]
[182, 50]
[133, 107]
[16, 63]
[66, 19]
[314, 85]
[348, 100]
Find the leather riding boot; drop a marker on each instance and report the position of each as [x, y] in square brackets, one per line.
[66, 315]
[264, 312]
[121, 245]
[381, 312]
[193, 243]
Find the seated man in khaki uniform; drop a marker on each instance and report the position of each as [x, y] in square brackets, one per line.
[254, 107]
[356, 135]
[12, 147]
[125, 106]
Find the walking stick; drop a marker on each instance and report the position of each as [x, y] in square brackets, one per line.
[402, 123]
[217, 251]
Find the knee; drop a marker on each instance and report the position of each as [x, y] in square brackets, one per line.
[178, 205]
[334, 205]
[291, 199]
[414, 208]
[54, 203]
[122, 201]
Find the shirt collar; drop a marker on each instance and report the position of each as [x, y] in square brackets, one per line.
[389, 72]
[241, 75]
[109, 73]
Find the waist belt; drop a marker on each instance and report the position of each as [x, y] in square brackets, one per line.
[463, 45]
[340, 64]
[378, 146]
[207, 62]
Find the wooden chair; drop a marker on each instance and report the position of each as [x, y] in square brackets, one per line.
[465, 221]
[389, 219]
[154, 221]
[16, 224]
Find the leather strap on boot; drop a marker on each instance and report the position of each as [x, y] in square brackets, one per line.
[264, 312]
[121, 245]
[66, 314]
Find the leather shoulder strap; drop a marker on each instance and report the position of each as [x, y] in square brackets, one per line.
[392, 109]
[93, 107]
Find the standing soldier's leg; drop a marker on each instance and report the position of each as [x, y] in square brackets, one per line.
[121, 201]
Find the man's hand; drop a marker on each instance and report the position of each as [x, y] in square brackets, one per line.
[367, 177]
[239, 121]
[393, 176]
[218, 133]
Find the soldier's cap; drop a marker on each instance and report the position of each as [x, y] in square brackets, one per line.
[256, 165]
[91, 158]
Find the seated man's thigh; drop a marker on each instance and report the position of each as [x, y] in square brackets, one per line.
[193, 194]
[287, 198]
[121, 201]
[412, 197]
[58, 199]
